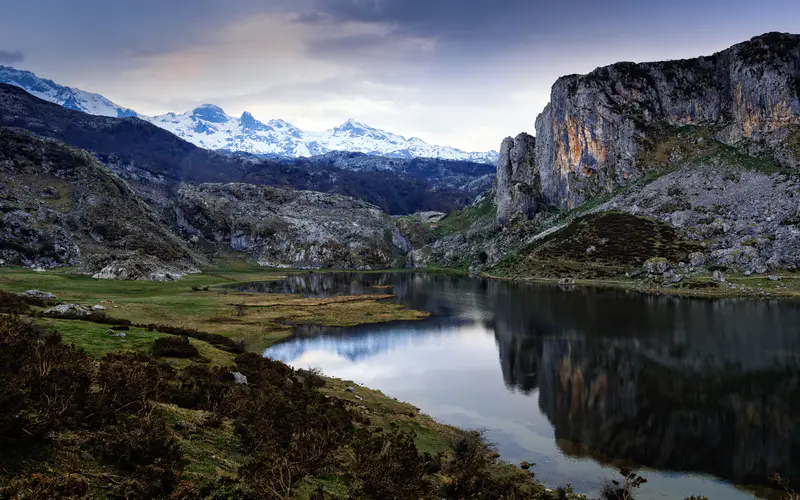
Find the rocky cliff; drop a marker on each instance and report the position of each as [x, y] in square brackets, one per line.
[606, 129]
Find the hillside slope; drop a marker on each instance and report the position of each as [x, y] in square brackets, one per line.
[60, 207]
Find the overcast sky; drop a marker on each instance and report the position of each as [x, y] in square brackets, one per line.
[465, 73]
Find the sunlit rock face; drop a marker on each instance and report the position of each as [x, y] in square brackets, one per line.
[592, 136]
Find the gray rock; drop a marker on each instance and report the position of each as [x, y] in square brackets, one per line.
[697, 259]
[350, 388]
[111, 333]
[239, 378]
[38, 294]
[774, 278]
[656, 266]
[98, 307]
[144, 268]
[566, 281]
[518, 187]
[68, 310]
[718, 276]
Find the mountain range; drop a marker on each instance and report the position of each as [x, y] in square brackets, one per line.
[208, 126]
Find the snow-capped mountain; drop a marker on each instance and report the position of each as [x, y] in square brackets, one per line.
[70, 98]
[208, 126]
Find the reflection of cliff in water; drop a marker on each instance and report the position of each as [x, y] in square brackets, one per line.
[692, 385]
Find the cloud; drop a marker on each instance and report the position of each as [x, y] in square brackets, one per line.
[11, 57]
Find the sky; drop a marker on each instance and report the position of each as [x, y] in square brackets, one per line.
[464, 73]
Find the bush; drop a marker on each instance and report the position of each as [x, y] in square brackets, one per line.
[36, 487]
[174, 347]
[142, 446]
[625, 489]
[389, 466]
[44, 384]
[219, 341]
[129, 381]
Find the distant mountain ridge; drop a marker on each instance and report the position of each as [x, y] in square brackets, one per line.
[209, 127]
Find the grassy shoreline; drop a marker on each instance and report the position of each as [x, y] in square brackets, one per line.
[205, 302]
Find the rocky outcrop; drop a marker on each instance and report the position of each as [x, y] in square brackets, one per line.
[60, 207]
[605, 129]
[285, 228]
[744, 221]
[518, 186]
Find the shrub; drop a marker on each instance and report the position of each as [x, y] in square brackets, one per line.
[128, 381]
[44, 384]
[625, 489]
[389, 466]
[174, 347]
[219, 341]
[37, 486]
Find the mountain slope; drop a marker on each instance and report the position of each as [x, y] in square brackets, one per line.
[209, 127]
[154, 161]
[60, 207]
[70, 98]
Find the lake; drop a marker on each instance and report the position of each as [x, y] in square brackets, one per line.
[703, 396]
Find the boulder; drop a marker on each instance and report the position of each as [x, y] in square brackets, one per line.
[697, 259]
[718, 276]
[239, 378]
[38, 294]
[68, 311]
[656, 266]
[566, 281]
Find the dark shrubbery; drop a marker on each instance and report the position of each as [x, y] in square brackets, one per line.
[287, 428]
[44, 384]
[174, 347]
[215, 339]
[389, 466]
[11, 303]
[36, 487]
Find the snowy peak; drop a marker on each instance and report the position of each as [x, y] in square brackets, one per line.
[210, 113]
[76, 99]
[208, 126]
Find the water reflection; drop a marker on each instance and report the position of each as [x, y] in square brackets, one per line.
[586, 376]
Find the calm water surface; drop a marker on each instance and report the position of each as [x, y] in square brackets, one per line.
[703, 395]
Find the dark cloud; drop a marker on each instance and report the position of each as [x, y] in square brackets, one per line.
[11, 57]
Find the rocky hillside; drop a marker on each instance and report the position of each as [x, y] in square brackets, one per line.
[60, 207]
[706, 149]
[285, 228]
[601, 130]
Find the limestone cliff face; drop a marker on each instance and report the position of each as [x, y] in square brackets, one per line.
[592, 136]
[518, 187]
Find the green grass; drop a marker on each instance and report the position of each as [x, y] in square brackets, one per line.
[92, 337]
[260, 319]
[461, 220]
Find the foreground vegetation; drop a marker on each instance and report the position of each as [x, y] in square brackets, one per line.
[86, 413]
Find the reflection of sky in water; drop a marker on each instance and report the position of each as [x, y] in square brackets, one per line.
[452, 373]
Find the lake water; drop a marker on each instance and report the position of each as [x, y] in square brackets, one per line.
[702, 395]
